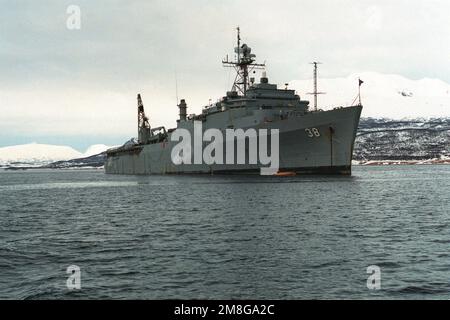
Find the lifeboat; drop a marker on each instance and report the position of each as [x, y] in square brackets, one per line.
[285, 174]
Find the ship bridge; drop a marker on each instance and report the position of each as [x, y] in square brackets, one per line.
[263, 95]
[246, 93]
[266, 90]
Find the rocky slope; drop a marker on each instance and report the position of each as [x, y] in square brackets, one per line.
[405, 140]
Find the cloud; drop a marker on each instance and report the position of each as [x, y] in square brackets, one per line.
[383, 95]
[375, 18]
[59, 81]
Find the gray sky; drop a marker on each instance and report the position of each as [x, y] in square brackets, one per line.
[78, 87]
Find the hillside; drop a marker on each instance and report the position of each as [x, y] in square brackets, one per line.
[383, 139]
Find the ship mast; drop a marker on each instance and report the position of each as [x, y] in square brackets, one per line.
[244, 63]
[315, 93]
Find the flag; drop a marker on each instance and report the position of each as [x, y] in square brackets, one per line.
[360, 82]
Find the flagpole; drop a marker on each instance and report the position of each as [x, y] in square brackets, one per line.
[359, 90]
[358, 97]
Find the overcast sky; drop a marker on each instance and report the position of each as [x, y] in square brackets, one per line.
[78, 87]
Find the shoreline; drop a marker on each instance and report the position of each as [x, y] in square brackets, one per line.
[354, 163]
[400, 162]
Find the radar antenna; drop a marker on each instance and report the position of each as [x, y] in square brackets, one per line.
[315, 93]
[244, 63]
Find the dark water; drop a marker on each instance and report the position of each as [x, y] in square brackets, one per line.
[226, 237]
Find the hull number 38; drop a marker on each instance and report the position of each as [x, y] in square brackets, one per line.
[312, 132]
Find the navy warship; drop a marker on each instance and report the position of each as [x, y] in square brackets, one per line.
[311, 140]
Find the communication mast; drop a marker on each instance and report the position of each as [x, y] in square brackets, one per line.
[315, 93]
[244, 63]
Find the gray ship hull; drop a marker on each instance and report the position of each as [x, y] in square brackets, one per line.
[329, 153]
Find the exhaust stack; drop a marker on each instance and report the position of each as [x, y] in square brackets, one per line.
[183, 110]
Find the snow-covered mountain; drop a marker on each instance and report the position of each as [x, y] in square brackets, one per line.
[35, 154]
[95, 149]
[383, 95]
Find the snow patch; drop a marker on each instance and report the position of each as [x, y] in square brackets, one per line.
[36, 154]
[95, 149]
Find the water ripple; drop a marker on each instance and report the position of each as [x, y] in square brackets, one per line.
[225, 237]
